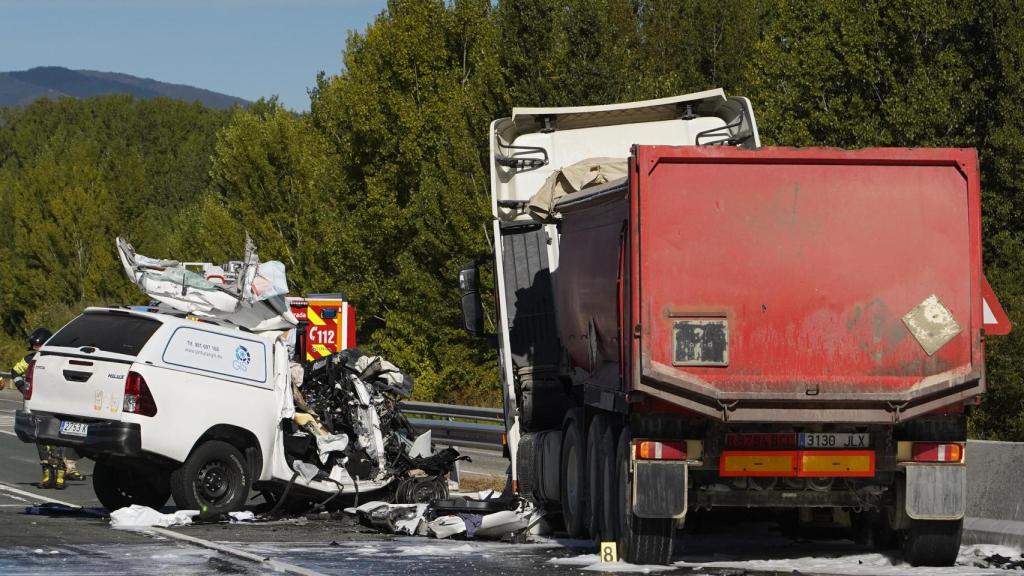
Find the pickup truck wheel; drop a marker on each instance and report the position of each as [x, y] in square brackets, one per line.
[932, 542]
[573, 477]
[641, 540]
[120, 486]
[214, 480]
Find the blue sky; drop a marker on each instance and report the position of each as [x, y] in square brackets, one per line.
[245, 48]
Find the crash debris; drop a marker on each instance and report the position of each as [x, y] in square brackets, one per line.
[348, 427]
[488, 516]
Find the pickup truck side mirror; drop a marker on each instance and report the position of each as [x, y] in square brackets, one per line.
[472, 308]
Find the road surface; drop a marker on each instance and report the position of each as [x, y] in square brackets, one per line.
[83, 543]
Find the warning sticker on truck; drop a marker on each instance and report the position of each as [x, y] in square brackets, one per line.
[701, 342]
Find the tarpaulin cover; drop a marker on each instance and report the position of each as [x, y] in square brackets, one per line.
[573, 178]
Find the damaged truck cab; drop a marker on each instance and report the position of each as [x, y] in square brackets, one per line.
[687, 320]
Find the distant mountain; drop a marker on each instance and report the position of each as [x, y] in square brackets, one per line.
[22, 87]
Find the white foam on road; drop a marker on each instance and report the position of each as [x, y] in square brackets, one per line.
[760, 551]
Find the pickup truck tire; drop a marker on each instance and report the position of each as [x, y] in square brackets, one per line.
[574, 476]
[120, 486]
[214, 480]
[641, 540]
[932, 542]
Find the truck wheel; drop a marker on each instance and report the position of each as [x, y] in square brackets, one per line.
[214, 480]
[120, 486]
[641, 540]
[608, 496]
[526, 468]
[574, 476]
[595, 505]
[932, 542]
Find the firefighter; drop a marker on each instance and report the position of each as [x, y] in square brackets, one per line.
[57, 467]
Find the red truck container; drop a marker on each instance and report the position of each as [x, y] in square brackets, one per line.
[734, 326]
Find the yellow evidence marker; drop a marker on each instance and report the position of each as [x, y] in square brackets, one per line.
[609, 552]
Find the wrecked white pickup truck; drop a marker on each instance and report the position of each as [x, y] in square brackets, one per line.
[198, 396]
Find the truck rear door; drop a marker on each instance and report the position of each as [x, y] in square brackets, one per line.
[839, 284]
[82, 369]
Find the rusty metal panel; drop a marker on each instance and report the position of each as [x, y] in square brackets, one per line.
[842, 276]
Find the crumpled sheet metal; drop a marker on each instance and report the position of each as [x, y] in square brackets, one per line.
[253, 300]
[411, 519]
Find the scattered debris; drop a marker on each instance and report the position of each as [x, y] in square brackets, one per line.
[242, 516]
[501, 518]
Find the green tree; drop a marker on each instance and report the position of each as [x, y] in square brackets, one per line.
[408, 120]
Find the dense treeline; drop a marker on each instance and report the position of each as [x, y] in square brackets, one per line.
[381, 189]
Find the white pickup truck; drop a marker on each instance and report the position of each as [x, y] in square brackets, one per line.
[168, 404]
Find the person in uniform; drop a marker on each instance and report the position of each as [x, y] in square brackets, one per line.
[59, 464]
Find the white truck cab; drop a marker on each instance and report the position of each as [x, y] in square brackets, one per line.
[168, 404]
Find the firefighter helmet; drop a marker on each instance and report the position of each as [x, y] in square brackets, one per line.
[38, 337]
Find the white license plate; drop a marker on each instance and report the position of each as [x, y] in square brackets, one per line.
[74, 428]
[832, 440]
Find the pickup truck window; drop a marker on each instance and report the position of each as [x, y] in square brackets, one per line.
[118, 333]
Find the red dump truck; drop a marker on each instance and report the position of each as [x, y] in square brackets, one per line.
[687, 320]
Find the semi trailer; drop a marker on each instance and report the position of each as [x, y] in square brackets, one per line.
[687, 320]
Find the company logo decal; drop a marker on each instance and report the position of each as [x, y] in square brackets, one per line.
[242, 359]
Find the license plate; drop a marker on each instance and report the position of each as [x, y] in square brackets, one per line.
[74, 428]
[832, 440]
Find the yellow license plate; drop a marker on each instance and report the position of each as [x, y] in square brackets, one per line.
[757, 464]
[825, 463]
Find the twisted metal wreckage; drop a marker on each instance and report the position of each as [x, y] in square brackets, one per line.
[341, 429]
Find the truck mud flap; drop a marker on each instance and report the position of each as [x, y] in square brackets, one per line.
[936, 491]
[659, 489]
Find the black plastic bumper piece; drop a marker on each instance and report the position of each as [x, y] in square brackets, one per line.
[104, 437]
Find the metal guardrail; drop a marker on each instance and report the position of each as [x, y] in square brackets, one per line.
[485, 433]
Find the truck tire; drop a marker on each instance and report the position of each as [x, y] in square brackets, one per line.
[526, 467]
[595, 505]
[932, 542]
[608, 471]
[573, 485]
[120, 486]
[641, 540]
[214, 480]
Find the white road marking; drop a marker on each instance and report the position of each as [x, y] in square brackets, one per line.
[275, 565]
[9, 433]
[34, 496]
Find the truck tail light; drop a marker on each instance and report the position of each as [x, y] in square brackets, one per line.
[29, 374]
[936, 452]
[137, 397]
[653, 450]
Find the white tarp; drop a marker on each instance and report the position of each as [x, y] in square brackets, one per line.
[136, 516]
[253, 298]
